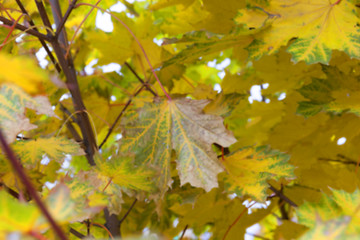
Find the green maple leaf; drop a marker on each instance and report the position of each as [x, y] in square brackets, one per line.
[179, 125]
[320, 26]
[32, 151]
[13, 102]
[122, 171]
[249, 170]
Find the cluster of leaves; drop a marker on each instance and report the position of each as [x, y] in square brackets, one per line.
[152, 147]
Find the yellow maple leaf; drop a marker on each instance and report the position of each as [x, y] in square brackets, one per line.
[22, 72]
[320, 26]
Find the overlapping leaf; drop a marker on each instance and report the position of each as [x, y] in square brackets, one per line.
[179, 125]
[250, 168]
[320, 26]
[342, 206]
[121, 171]
[13, 102]
[32, 151]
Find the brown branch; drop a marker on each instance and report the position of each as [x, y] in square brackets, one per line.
[282, 196]
[112, 223]
[139, 78]
[30, 188]
[43, 43]
[338, 161]
[67, 66]
[119, 116]
[44, 17]
[128, 211]
[25, 29]
[183, 232]
[10, 191]
[64, 19]
[77, 234]
[236, 220]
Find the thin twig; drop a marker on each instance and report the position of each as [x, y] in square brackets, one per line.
[236, 220]
[128, 211]
[77, 234]
[45, 18]
[282, 196]
[139, 78]
[30, 188]
[25, 29]
[257, 236]
[183, 232]
[137, 42]
[43, 43]
[119, 116]
[64, 19]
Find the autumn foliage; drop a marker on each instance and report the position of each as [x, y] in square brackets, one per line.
[174, 143]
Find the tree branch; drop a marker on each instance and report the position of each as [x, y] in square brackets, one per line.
[139, 78]
[64, 19]
[282, 196]
[183, 232]
[71, 80]
[128, 211]
[30, 188]
[119, 116]
[112, 223]
[25, 29]
[77, 234]
[43, 43]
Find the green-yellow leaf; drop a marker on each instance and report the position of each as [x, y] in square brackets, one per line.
[250, 168]
[13, 101]
[121, 171]
[16, 216]
[179, 125]
[320, 26]
[32, 151]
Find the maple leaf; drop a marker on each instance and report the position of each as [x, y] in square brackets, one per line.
[320, 26]
[32, 151]
[122, 172]
[16, 216]
[249, 170]
[178, 125]
[21, 71]
[13, 102]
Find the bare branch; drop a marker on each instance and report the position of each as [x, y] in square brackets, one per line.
[282, 196]
[64, 19]
[43, 43]
[128, 211]
[139, 78]
[183, 232]
[119, 116]
[25, 29]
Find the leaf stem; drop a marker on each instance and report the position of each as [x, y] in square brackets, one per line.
[138, 43]
[11, 30]
[30, 188]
